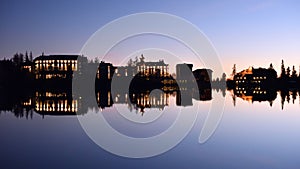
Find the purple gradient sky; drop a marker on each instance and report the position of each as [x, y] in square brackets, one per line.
[248, 33]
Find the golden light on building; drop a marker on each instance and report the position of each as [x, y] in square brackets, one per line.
[27, 68]
[55, 66]
[153, 68]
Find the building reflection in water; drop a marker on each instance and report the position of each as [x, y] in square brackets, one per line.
[154, 99]
[63, 103]
[185, 97]
[104, 99]
[148, 92]
[258, 94]
[150, 86]
[135, 100]
[51, 102]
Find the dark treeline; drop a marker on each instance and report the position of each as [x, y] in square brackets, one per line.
[219, 84]
[288, 77]
[13, 76]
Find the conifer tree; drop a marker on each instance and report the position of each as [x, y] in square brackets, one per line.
[283, 74]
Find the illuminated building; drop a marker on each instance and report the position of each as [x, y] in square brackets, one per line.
[250, 77]
[158, 69]
[105, 71]
[143, 69]
[184, 76]
[254, 82]
[55, 66]
[27, 66]
[192, 84]
[125, 71]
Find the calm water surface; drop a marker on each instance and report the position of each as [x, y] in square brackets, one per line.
[250, 135]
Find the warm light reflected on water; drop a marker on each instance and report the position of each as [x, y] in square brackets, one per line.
[252, 134]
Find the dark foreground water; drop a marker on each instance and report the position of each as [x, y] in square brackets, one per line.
[250, 135]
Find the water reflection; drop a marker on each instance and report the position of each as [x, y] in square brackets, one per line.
[258, 94]
[64, 102]
[53, 102]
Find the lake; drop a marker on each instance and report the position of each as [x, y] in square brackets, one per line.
[250, 134]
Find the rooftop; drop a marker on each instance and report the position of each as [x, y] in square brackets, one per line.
[57, 57]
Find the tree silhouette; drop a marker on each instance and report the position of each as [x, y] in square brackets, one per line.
[130, 63]
[30, 56]
[288, 72]
[223, 78]
[283, 74]
[142, 58]
[233, 70]
[271, 66]
[136, 61]
[91, 61]
[294, 73]
[26, 57]
[16, 59]
[21, 56]
[96, 60]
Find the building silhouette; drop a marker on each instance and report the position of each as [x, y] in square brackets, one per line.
[157, 69]
[253, 77]
[104, 98]
[184, 72]
[203, 78]
[105, 71]
[27, 66]
[55, 66]
[125, 71]
[203, 75]
[192, 84]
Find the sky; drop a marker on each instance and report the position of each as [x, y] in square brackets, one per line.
[245, 33]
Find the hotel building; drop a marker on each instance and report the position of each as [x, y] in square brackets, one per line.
[56, 66]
